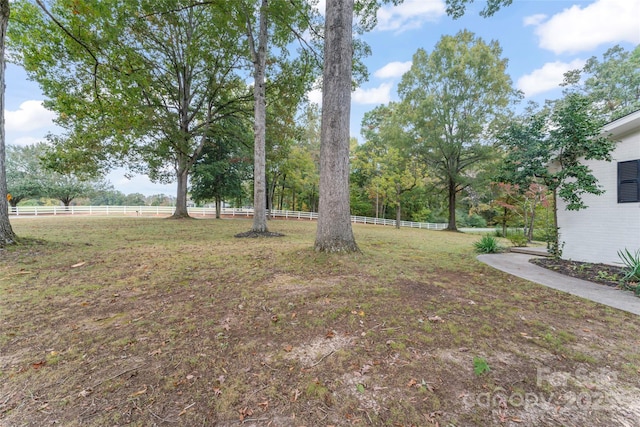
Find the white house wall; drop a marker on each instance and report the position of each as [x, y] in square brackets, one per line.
[597, 233]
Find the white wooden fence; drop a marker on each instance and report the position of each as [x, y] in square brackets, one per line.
[29, 211]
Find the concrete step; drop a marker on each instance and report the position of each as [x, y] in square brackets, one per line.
[536, 251]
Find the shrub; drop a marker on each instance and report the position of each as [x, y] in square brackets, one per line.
[518, 239]
[632, 265]
[487, 245]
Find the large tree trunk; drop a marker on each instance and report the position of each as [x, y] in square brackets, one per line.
[218, 207]
[555, 249]
[452, 206]
[260, 120]
[505, 212]
[181, 195]
[532, 221]
[334, 233]
[7, 236]
[398, 209]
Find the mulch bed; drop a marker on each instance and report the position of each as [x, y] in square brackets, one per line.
[603, 274]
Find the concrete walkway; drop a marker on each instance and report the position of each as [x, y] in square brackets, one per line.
[518, 264]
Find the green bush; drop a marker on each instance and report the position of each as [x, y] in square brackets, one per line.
[632, 265]
[518, 239]
[487, 245]
[465, 220]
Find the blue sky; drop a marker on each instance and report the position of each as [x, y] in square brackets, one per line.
[541, 39]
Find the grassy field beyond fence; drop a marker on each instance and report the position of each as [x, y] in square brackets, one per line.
[147, 321]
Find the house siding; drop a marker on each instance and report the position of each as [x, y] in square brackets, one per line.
[597, 233]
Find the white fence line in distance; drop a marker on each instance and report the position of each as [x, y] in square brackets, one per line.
[23, 211]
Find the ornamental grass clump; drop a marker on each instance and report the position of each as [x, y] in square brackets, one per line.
[631, 270]
[487, 245]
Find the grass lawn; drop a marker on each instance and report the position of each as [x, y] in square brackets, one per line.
[147, 321]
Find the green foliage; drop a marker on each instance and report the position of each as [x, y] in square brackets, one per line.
[466, 220]
[224, 164]
[457, 8]
[548, 145]
[29, 176]
[480, 365]
[22, 164]
[631, 262]
[518, 239]
[144, 84]
[487, 245]
[390, 145]
[612, 83]
[452, 98]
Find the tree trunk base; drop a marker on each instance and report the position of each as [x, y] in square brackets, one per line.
[255, 234]
[180, 216]
[7, 241]
[7, 236]
[338, 246]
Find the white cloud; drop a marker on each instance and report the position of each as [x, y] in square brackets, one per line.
[393, 69]
[534, 20]
[578, 29]
[546, 78]
[409, 15]
[315, 96]
[376, 95]
[30, 115]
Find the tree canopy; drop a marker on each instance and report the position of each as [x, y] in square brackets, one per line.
[453, 96]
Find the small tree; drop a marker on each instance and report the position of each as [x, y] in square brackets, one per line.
[223, 167]
[549, 146]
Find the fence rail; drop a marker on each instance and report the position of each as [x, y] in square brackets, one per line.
[24, 211]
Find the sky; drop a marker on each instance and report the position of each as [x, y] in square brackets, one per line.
[541, 39]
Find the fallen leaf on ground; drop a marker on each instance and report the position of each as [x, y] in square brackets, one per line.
[39, 364]
[80, 264]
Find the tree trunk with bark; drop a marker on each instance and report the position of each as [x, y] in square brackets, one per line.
[398, 208]
[7, 236]
[452, 206]
[181, 195]
[259, 54]
[334, 232]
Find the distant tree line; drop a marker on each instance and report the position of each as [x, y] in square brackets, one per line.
[31, 181]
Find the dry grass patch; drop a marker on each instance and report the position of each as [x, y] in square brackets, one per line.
[138, 321]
